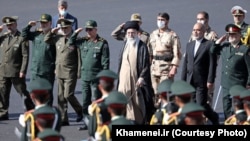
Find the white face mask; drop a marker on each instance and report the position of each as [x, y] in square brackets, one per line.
[63, 12]
[201, 21]
[160, 24]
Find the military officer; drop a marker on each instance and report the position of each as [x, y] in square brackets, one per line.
[235, 64]
[97, 110]
[116, 104]
[239, 115]
[14, 57]
[68, 64]
[166, 105]
[182, 92]
[164, 50]
[245, 96]
[51, 116]
[119, 33]
[95, 58]
[49, 135]
[238, 14]
[192, 114]
[43, 54]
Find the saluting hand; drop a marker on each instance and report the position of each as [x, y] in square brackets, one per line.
[55, 30]
[32, 23]
[1, 28]
[78, 30]
[221, 39]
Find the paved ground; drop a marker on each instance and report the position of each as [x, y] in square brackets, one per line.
[108, 14]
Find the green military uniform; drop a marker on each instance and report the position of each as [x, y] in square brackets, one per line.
[235, 67]
[193, 110]
[119, 33]
[183, 90]
[98, 113]
[14, 57]
[68, 64]
[245, 96]
[43, 54]
[116, 101]
[239, 11]
[49, 135]
[95, 57]
[239, 115]
[167, 108]
[43, 115]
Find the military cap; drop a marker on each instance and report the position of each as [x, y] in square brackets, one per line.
[131, 24]
[9, 20]
[90, 24]
[164, 86]
[39, 84]
[116, 99]
[245, 95]
[232, 28]
[45, 18]
[236, 90]
[107, 75]
[50, 135]
[180, 87]
[192, 108]
[65, 22]
[62, 3]
[238, 10]
[135, 17]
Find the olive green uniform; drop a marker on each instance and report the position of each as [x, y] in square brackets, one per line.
[43, 57]
[14, 57]
[68, 63]
[94, 57]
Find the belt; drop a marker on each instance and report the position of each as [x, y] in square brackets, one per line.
[164, 58]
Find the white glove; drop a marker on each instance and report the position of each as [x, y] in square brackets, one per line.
[140, 82]
[21, 120]
[98, 137]
[90, 111]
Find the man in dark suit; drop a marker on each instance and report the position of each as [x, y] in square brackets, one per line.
[199, 69]
[14, 58]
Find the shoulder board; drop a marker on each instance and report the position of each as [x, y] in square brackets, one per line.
[85, 37]
[101, 39]
[145, 33]
[6, 33]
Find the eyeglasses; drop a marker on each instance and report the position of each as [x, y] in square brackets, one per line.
[88, 29]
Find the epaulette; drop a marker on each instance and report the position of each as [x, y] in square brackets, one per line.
[6, 33]
[145, 33]
[101, 39]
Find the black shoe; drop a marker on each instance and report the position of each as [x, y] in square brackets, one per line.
[79, 118]
[4, 117]
[65, 123]
[83, 127]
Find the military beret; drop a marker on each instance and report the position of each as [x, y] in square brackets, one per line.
[131, 25]
[192, 108]
[232, 28]
[65, 22]
[245, 95]
[164, 86]
[50, 135]
[62, 3]
[180, 87]
[39, 84]
[45, 18]
[116, 98]
[90, 24]
[135, 17]
[9, 20]
[237, 10]
[236, 90]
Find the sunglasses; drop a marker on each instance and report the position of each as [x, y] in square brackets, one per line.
[88, 29]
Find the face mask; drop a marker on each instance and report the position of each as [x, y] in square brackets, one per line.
[201, 21]
[161, 24]
[63, 12]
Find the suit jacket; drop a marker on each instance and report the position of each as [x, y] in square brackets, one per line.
[14, 56]
[200, 68]
[68, 59]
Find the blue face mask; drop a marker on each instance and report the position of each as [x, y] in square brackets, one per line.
[63, 13]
